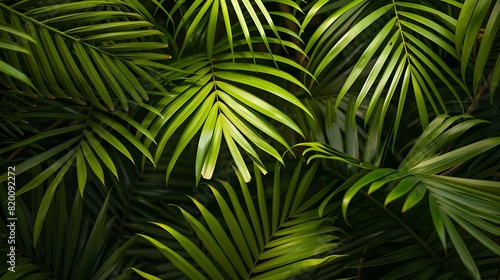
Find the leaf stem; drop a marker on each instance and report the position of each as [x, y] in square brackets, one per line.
[401, 32]
[480, 93]
[471, 108]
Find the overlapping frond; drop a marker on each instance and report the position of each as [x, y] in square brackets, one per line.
[71, 240]
[87, 51]
[86, 119]
[11, 125]
[385, 244]
[139, 197]
[7, 30]
[254, 241]
[87, 140]
[470, 203]
[455, 205]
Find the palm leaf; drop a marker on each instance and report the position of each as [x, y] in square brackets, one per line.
[71, 55]
[194, 17]
[450, 198]
[67, 240]
[226, 103]
[396, 57]
[12, 105]
[238, 247]
[90, 140]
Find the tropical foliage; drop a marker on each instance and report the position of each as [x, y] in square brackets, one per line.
[265, 139]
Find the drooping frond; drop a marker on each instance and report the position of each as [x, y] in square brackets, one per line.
[400, 52]
[469, 203]
[226, 104]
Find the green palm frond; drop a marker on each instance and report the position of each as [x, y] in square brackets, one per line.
[236, 17]
[222, 94]
[91, 135]
[470, 203]
[96, 118]
[222, 99]
[461, 209]
[336, 129]
[403, 56]
[70, 241]
[139, 197]
[11, 124]
[252, 241]
[11, 103]
[385, 244]
[85, 51]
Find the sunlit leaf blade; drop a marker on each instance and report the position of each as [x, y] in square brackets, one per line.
[259, 104]
[50, 40]
[15, 73]
[144, 274]
[450, 159]
[402, 188]
[414, 197]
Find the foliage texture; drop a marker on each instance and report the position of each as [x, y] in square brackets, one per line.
[250, 139]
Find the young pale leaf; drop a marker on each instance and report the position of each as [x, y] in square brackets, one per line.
[213, 151]
[192, 128]
[414, 197]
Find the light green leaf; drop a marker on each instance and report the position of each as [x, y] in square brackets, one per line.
[414, 197]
